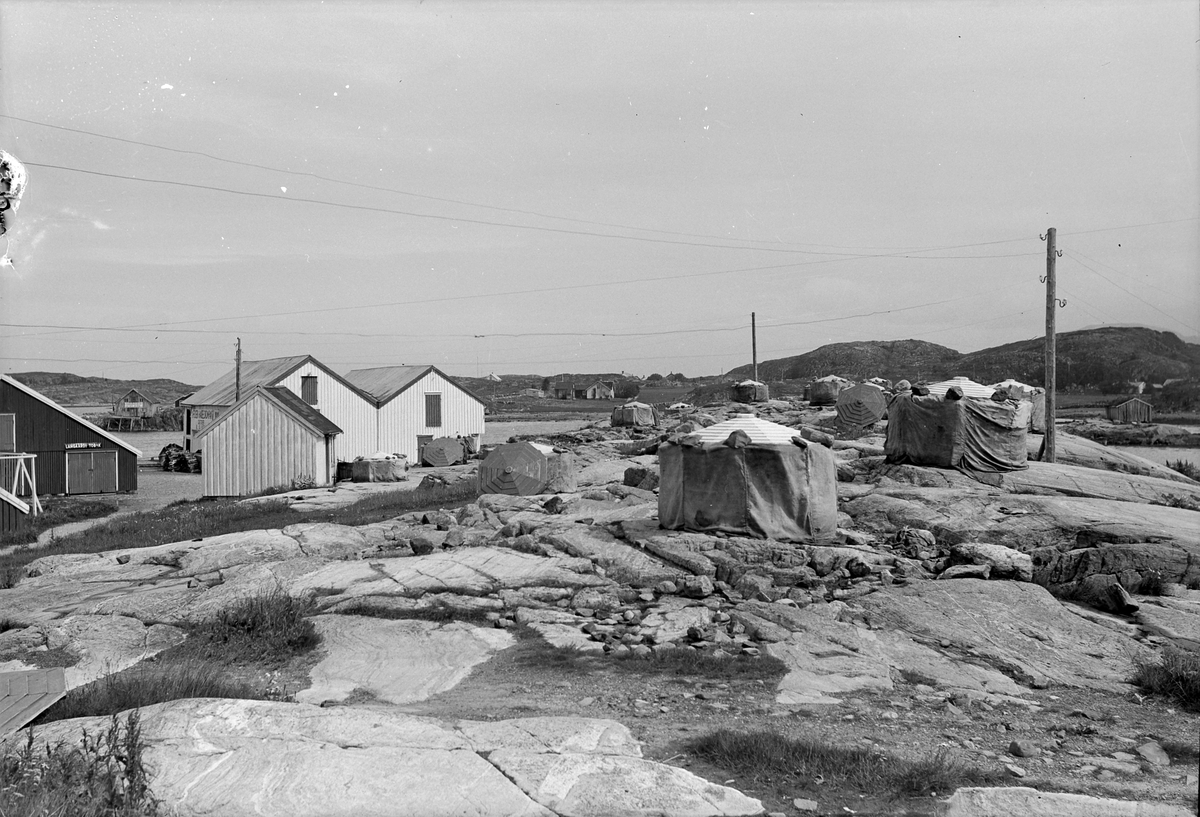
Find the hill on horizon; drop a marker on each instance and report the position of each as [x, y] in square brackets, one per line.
[1088, 358]
[77, 390]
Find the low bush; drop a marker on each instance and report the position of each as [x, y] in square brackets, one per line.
[1176, 674]
[1186, 468]
[683, 661]
[268, 629]
[104, 776]
[148, 683]
[771, 754]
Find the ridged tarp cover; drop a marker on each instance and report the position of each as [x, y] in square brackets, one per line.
[634, 414]
[969, 387]
[766, 488]
[971, 434]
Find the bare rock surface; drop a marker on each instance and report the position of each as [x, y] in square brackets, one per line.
[1064, 479]
[1028, 802]
[231, 757]
[1175, 619]
[1070, 449]
[1017, 628]
[397, 662]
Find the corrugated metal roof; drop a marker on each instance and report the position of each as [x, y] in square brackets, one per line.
[759, 431]
[25, 695]
[385, 382]
[969, 387]
[221, 391]
[74, 417]
[306, 412]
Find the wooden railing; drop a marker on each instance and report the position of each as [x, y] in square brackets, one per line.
[24, 476]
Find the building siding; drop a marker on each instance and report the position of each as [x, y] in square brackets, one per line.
[402, 419]
[261, 446]
[45, 431]
[345, 408]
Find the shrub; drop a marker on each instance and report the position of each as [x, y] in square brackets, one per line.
[1186, 468]
[104, 776]
[145, 684]
[268, 628]
[1175, 674]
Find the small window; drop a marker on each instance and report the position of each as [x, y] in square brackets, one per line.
[8, 433]
[308, 389]
[433, 410]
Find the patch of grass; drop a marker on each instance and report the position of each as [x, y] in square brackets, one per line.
[1186, 468]
[104, 776]
[704, 664]
[1179, 501]
[269, 628]
[59, 510]
[809, 760]
[1176, 674]
[145, 684]
[439, 612]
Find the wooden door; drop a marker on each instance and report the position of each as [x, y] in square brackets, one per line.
[91, 472]
[422, 441]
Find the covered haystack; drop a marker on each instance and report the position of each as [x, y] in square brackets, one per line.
[966, 433]
[634, 414]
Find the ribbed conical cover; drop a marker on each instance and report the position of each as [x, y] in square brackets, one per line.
[759, 431]
[969, 387]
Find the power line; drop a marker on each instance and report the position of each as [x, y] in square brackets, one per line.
[1073, 257]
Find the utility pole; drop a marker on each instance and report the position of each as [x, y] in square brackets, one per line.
[1051, 305]
[237, 373]
[754, 345]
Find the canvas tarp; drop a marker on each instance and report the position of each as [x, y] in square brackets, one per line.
[381, 469]
[968, 433]
[634, 414]
[781, 491]
[825, 392]
[749, 391]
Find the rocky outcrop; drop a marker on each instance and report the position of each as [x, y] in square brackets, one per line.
[1072, 450]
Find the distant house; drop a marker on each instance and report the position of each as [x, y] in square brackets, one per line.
[416, 404]
[533, 393]
[135, 404]
[601, 390]
[1130, 410]
[562, 391]
[269, 438]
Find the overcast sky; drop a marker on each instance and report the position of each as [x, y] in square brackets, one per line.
[570, 186]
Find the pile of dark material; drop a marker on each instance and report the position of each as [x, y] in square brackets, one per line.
[174, 458]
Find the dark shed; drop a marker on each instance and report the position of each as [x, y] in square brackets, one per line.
[73, 455]
[1130, 410]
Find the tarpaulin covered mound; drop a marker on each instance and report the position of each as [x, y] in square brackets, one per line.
[634, 414]
[381, 467]
[824, 391]
[965, 433]
[525, 469]
[443, 451]
[749, 391]
[749, 477]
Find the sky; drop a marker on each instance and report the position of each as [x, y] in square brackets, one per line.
[545, 187]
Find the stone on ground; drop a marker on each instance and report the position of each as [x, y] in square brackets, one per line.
[1027, 802]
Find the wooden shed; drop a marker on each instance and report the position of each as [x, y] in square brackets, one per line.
[1130, 410]
[353, 411]
[135, 404]
[71, 455]
[270, 438]
[415, 405]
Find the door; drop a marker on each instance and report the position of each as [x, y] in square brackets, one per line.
[91, 472]
[422, 441]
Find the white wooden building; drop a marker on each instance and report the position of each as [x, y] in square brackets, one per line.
[416, 404]
[317, 385]
[270, 438]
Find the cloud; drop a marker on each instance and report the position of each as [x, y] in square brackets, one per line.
[100, 225]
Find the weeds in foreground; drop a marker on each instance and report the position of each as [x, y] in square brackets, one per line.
[1185, 467]
[56, 511]
[1175, 674]
[682, 661]
[268, 628]
[145, 684]
[806, 761]
[104, 776]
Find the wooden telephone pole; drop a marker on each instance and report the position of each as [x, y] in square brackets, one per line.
[237, 373]
[1051, 352]
[754, 345]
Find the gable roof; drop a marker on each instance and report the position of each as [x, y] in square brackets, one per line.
[385, 383]
[221, 391]
[285, 399]
[17, 384]
[144, 398]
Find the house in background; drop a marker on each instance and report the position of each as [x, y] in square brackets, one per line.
[1129, 410]
[417, 404]
[562, 391]
[64, 453]
[135, 404]
[316, 384]
[270, 438]
[600, 390]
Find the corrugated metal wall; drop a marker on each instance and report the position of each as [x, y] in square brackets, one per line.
[347, 409]
[44, 431]
[402, 419]
[260, 446]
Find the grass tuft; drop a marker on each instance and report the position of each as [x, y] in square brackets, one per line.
[696, 663]
[145, 684]
[104, 776]
[1176, 674]
[58, 510]
[269, 628]
[808, 761]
